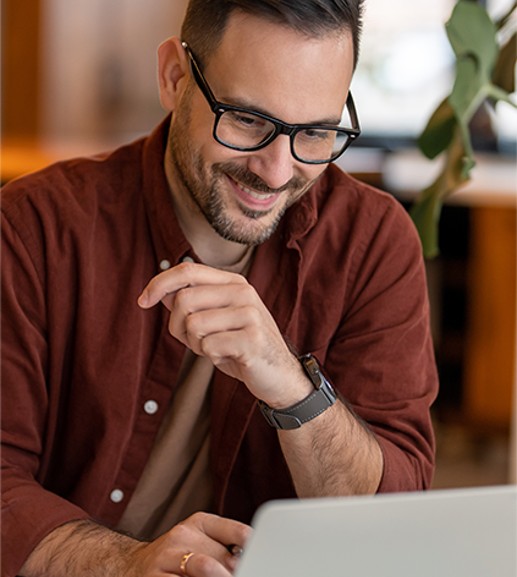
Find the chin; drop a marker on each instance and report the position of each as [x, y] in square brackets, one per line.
[246, 231]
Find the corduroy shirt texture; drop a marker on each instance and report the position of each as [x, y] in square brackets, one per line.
[343, 277]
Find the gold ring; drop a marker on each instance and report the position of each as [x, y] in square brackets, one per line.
[183, 563]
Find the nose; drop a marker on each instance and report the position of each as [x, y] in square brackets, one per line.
[274, 164]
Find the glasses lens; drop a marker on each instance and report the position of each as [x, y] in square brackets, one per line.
[243, 129]
[317, 145]
[325, 144]
[246, 130]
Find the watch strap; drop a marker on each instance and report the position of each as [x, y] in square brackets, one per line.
[307, 409]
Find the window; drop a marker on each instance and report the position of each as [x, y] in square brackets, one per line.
[406, 68]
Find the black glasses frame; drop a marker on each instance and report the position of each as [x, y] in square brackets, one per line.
[280, 127]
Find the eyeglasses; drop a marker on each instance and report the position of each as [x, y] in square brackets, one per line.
[249, 130]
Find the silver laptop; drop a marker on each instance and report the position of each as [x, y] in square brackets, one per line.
[442, 533]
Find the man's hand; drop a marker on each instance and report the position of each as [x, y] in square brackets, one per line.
[219, 315]
[202, 542]
[84, 548]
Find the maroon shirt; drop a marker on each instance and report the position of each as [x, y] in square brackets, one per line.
[343, 277]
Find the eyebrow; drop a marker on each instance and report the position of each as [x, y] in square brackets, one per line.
[242, 103]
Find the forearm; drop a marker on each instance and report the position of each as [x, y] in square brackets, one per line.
[220, 316]
[333, 455]
[82, 548]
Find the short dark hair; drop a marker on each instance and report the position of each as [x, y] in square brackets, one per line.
[205, 20]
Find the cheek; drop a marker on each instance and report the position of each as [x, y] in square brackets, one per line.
[310, 173]
[202, 140]
[198, 120]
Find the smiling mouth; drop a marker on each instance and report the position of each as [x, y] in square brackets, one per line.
[252, 198]
[255, 194]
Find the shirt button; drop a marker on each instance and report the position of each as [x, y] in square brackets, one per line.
[187, 259]
[117, 495]
[151, 407]
[165, 264]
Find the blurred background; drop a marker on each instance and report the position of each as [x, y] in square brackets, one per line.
[80, 77]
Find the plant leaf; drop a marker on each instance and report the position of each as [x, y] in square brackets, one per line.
[426, 216]
[503, 75]
[472, 33]
[425, 212]
[438, 133]
[473, 37]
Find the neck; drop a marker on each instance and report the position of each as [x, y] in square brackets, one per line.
[209, 246]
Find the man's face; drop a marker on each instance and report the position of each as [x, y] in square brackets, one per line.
[271, 69]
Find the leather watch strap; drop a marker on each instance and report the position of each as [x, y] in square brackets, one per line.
[307, 409]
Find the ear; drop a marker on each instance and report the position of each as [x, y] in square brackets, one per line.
[173, 69]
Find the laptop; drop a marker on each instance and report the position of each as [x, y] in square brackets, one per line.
[468, 532]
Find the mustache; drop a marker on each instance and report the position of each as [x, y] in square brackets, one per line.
[250, 180]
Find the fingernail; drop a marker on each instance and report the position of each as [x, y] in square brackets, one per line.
[235, 550]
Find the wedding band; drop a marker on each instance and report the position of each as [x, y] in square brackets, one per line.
[183, 563]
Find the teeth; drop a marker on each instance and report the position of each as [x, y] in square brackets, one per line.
[256, 195]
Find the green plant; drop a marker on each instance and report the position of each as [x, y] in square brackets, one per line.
[486, 52]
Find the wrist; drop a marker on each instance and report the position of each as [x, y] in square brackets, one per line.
[318, 400]
[297, 388]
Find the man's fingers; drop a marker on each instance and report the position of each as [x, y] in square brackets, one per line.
[200, 546]
[181, 276]
[225, 531]
[213, 541]
[202, 565]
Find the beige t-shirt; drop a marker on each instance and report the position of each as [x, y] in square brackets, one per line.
[176, 481]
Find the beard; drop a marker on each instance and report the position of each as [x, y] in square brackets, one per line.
[207, 186]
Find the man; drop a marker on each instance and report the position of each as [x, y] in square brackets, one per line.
[160, 303]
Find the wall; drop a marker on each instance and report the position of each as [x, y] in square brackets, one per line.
[99, 65]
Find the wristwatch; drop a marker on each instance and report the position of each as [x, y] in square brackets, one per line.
[316, 403]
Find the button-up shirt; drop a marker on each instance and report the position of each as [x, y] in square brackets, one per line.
[87, 375]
